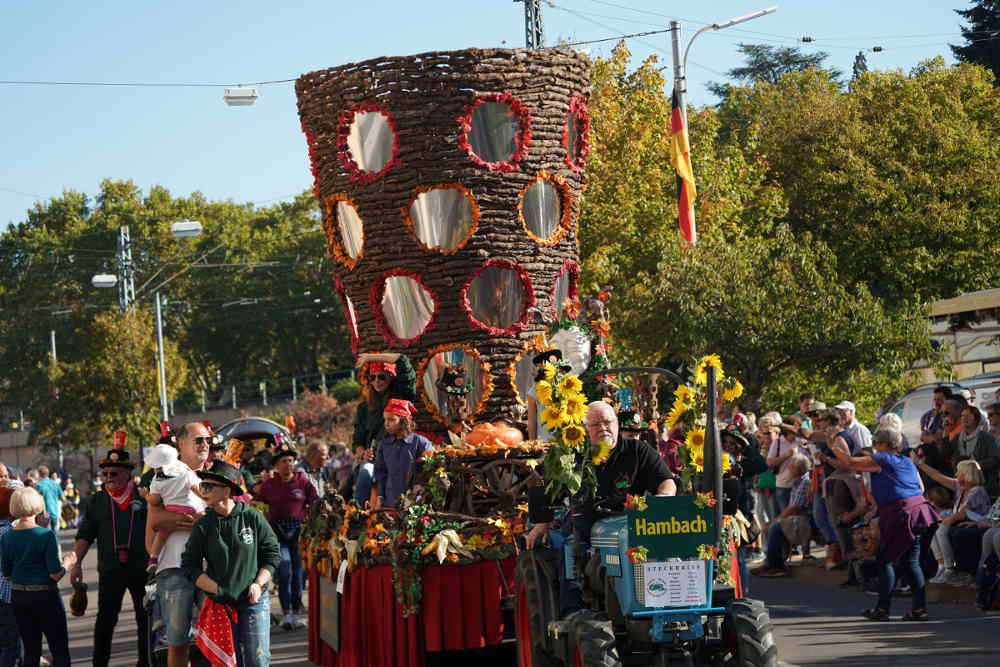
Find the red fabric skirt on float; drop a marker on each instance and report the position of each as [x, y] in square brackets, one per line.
[460, 610]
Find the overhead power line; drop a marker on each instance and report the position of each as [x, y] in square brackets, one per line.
[144, 84]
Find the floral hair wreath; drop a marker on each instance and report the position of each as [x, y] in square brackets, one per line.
[572, 269]
[565, 207]
[521, 141]
[533, 345]
[577, 113]
[349, 316]
[375, 295]
[526, 286]
[411, 227]
[313, 165]
[355, 172]
[425, 397]
[333, 243]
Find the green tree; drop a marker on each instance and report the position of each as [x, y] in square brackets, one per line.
[113, 387]
[982, 36]
[765, 63]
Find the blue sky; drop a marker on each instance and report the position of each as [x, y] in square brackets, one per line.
[187, 139]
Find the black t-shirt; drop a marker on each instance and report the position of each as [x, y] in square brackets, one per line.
[632, 468]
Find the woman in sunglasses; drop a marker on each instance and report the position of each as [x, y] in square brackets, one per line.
[385, 376]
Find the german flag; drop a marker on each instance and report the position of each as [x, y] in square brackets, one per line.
[680, 153]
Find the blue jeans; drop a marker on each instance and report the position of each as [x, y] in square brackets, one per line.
[10, 640]
[821, 515]
[776, 545]
[782, 497]
[42, 613]
[887, 578]
[176, 596]
[290, 575]
[253, 633]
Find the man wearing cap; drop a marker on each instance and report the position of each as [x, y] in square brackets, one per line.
[387, 376]
[396, 459]
[115, 517]
[856, 429]
[175, 594]
[288, 494]
[231, 555]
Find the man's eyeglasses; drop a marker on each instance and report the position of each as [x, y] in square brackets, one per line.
[379, 376]
[202, 440]
[606, 423]
[111, 474]
[207, 487]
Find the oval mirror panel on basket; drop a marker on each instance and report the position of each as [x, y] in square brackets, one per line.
[542, 210]
[351, 228]
[524, 375]
[497, 299]
[407, 307]
[493, 136]
[455, 384]
[443, 217]
[370, 140]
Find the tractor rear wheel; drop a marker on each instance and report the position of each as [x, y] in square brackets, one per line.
[594, 640]
[529, 619]
[748, 634]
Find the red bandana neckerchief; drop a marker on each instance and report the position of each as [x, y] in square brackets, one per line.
[213, 633]
[124, 498]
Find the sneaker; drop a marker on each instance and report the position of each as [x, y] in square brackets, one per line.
[299, 619]
[286, 622]
[940, 577]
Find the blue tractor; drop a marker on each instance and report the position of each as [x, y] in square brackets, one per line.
[665, 611]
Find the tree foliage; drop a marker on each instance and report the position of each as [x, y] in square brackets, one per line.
[982, 36]
[766, 63]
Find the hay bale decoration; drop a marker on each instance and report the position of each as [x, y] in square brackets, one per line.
[450, 185]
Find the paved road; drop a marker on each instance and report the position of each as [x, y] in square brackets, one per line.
[819, 624]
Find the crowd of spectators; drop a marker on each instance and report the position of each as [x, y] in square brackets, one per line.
[880, 505]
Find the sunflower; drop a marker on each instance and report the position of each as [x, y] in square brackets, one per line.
[684, 394]
[570, 386]
[575, 408]
[552, 417]
[726, 463]
[701, 377]
[573, 435]
[548, 371]
[695, 438]
[697, 459]
[732, 393]
[675, 414]
[600, 452]
[543, 390]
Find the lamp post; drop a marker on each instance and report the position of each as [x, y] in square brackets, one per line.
[126, 292]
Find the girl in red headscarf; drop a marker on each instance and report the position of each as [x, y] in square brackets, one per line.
[398, 454]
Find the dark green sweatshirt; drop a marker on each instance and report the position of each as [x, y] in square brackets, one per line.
[235, 548]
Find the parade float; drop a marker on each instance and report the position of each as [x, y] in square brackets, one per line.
[450, 186]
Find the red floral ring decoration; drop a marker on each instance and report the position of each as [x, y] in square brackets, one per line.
[572, 269]
[527, 287]
[521, 141]
[375, 295]
[330, 226]
[577, 113]
[483, 366]
[356, 173]
[411, 225]
[313, 166]
[349, 316]
[565, 207]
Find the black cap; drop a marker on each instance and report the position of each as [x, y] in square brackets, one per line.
[117, 458]
[555, 354]
[225, 473]
[282, 452]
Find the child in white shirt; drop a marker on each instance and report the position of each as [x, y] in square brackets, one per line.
[175, 486]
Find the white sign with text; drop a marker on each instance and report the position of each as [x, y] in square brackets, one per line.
[675, 584]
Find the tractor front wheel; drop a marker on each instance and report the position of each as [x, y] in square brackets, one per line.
[748, 635]
[594, 640]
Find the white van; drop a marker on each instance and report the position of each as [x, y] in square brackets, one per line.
[912, 406]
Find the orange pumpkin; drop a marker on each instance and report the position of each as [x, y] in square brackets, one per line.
[507, 434]
[481, 434]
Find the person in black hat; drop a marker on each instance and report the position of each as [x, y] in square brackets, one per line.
[115, 517]
[240, 553]
[288, 493]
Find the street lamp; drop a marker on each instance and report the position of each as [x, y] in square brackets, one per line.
[180, 229]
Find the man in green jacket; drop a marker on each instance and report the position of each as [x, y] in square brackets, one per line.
[240, 553]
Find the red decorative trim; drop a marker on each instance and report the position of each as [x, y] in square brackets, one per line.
[332, 229]
[375, 295]
[484, 368]
[352, 323]
[565, 207]
[573, 269]
[529, 297]
[357, 174]
[578, 111]
[411, 225]
[521, 141]
[313, 166]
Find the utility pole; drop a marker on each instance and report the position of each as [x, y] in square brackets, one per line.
[162, 365]
[52, 341]
[126, 286]
[534, 31]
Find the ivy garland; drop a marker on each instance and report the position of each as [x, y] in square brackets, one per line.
[330, 226]
[425, 397]
[355, 172]
[375, 295]
[565, 208]
[527, 288]
[521, 141]
[578, 113]
[414, 530]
